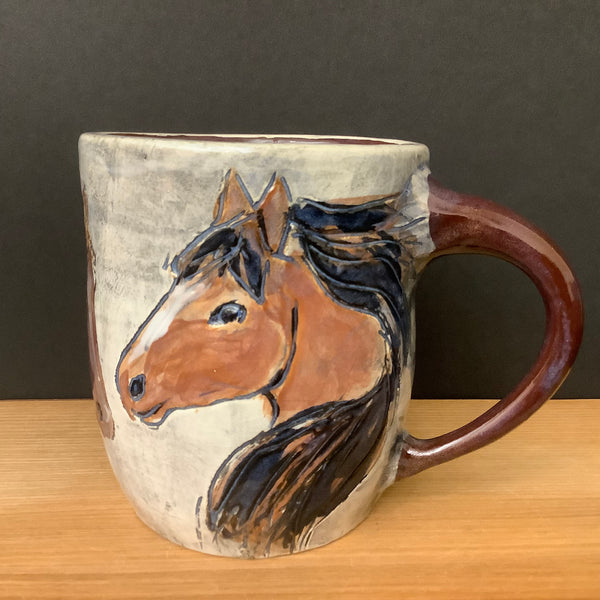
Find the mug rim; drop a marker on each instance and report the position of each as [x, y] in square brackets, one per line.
[259, 139]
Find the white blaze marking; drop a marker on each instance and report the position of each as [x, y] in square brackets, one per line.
[180, 297]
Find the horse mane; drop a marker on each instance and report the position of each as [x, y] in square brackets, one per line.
[277, 486]
[352, 251]
[284, 480]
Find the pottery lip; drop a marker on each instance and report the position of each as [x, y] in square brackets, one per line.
[254, 139]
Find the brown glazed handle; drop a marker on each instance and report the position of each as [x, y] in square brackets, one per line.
[466, 224]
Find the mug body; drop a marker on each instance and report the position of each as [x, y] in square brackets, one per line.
[251, 328]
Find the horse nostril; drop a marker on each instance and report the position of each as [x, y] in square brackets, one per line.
[137, 387]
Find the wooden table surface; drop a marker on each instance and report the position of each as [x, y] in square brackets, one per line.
[518, 519]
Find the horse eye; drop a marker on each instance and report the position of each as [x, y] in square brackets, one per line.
[227, 313]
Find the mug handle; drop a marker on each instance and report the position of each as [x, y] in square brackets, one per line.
[461, 223]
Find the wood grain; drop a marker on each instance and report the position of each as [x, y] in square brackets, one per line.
[519, 518]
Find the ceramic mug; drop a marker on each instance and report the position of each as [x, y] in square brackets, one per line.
[252, 328]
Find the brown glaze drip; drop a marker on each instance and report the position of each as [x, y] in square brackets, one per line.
[103, 413]
[467, 224]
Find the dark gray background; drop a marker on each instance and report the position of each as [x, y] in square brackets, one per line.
[505, 94]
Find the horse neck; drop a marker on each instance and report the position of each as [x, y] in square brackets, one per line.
[340, 353]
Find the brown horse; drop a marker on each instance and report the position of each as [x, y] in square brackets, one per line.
[300, 305]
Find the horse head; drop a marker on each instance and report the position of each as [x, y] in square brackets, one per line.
[250, 316]
[216, 334]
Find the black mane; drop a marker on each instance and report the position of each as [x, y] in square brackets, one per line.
[358, 261]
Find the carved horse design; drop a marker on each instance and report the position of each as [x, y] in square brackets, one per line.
[301, 306]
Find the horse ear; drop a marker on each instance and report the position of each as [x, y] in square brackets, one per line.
[233, 199]
[272, 213]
